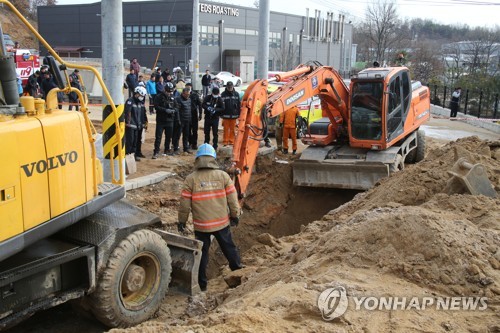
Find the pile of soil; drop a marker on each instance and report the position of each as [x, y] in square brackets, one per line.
[17, 30]
[405, 237]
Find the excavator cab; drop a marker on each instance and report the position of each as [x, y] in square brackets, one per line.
[379, 105]
[366, 110]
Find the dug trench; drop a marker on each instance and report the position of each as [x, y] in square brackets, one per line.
[272, 205]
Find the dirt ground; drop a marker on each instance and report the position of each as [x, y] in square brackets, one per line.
[406, 237]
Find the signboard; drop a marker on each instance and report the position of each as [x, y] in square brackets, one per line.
[220, 10]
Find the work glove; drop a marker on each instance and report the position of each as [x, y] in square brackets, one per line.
[181, 227]
[234, 221]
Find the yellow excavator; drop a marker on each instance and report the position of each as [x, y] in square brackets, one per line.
[65, 233]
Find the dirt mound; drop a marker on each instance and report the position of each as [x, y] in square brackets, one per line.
[419, 182]
[404, 237]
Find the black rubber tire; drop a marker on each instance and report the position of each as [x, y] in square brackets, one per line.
[410, 157]
[301, 128]
[110, 303]
[237, 84]
[398, 165]
[421, 146]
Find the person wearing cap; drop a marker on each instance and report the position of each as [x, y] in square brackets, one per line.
[76, 78]
[167, 115]
[214, 107]
[231, 112]
[210, 196]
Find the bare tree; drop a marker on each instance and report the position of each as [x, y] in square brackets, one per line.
[382, 28]
[256, 3]
[35, 3]
[286, 57]
[426, 64]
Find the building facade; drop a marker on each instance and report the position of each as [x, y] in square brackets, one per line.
[228, 35]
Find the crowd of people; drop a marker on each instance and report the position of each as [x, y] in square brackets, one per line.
[178, 110]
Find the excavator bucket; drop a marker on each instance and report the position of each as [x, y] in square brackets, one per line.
[186, 255]
[352, 168]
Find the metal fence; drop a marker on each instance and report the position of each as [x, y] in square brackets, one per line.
[475, 102]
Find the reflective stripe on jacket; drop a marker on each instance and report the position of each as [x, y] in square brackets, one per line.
[209, 194]
[231, 104]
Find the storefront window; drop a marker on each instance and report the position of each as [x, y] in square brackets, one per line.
[209, 35]
[274, 40]
[163, 35]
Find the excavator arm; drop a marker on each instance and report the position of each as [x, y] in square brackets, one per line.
[258, 106]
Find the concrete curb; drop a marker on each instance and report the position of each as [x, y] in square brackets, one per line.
[147, 180]
[474, 121]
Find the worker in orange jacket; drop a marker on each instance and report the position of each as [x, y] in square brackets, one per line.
[288, 119]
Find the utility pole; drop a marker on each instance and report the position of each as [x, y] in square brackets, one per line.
[195, 47]
[112, 48]
[112, 73]
[263, 52]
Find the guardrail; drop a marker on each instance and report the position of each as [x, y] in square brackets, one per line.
[474, 102]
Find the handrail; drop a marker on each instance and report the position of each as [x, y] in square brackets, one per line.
[117, 140]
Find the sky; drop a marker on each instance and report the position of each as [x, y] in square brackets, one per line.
[474, 13]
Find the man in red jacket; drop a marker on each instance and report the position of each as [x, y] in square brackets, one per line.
[207, 193]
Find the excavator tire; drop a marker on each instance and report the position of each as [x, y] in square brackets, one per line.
[420, 150]
[301, 128]
[398, 165]
[133, 284]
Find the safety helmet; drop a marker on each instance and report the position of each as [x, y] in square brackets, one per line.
[230, 84]
[169, 87]
[141, 91]
[206, 150]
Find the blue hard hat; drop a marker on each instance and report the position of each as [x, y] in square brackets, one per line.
[206, 150]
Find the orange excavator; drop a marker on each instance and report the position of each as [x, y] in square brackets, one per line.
[368, 130]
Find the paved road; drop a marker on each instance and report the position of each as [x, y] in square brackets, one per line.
[450, 130]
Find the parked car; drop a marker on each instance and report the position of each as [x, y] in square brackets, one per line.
[9, 43]
[225, 77]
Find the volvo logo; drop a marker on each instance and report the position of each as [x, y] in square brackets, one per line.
[295, 97]
[51, 163]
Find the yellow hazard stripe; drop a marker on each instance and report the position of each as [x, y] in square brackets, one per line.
[109, 131]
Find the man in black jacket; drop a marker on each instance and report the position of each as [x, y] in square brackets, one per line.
[132, 82]
[206, 80]
[133, 120]
[196, 113]
[166, 115]
[213, 106]
[231, 112]
[184, 104]
[32, 86]
[48, 84]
